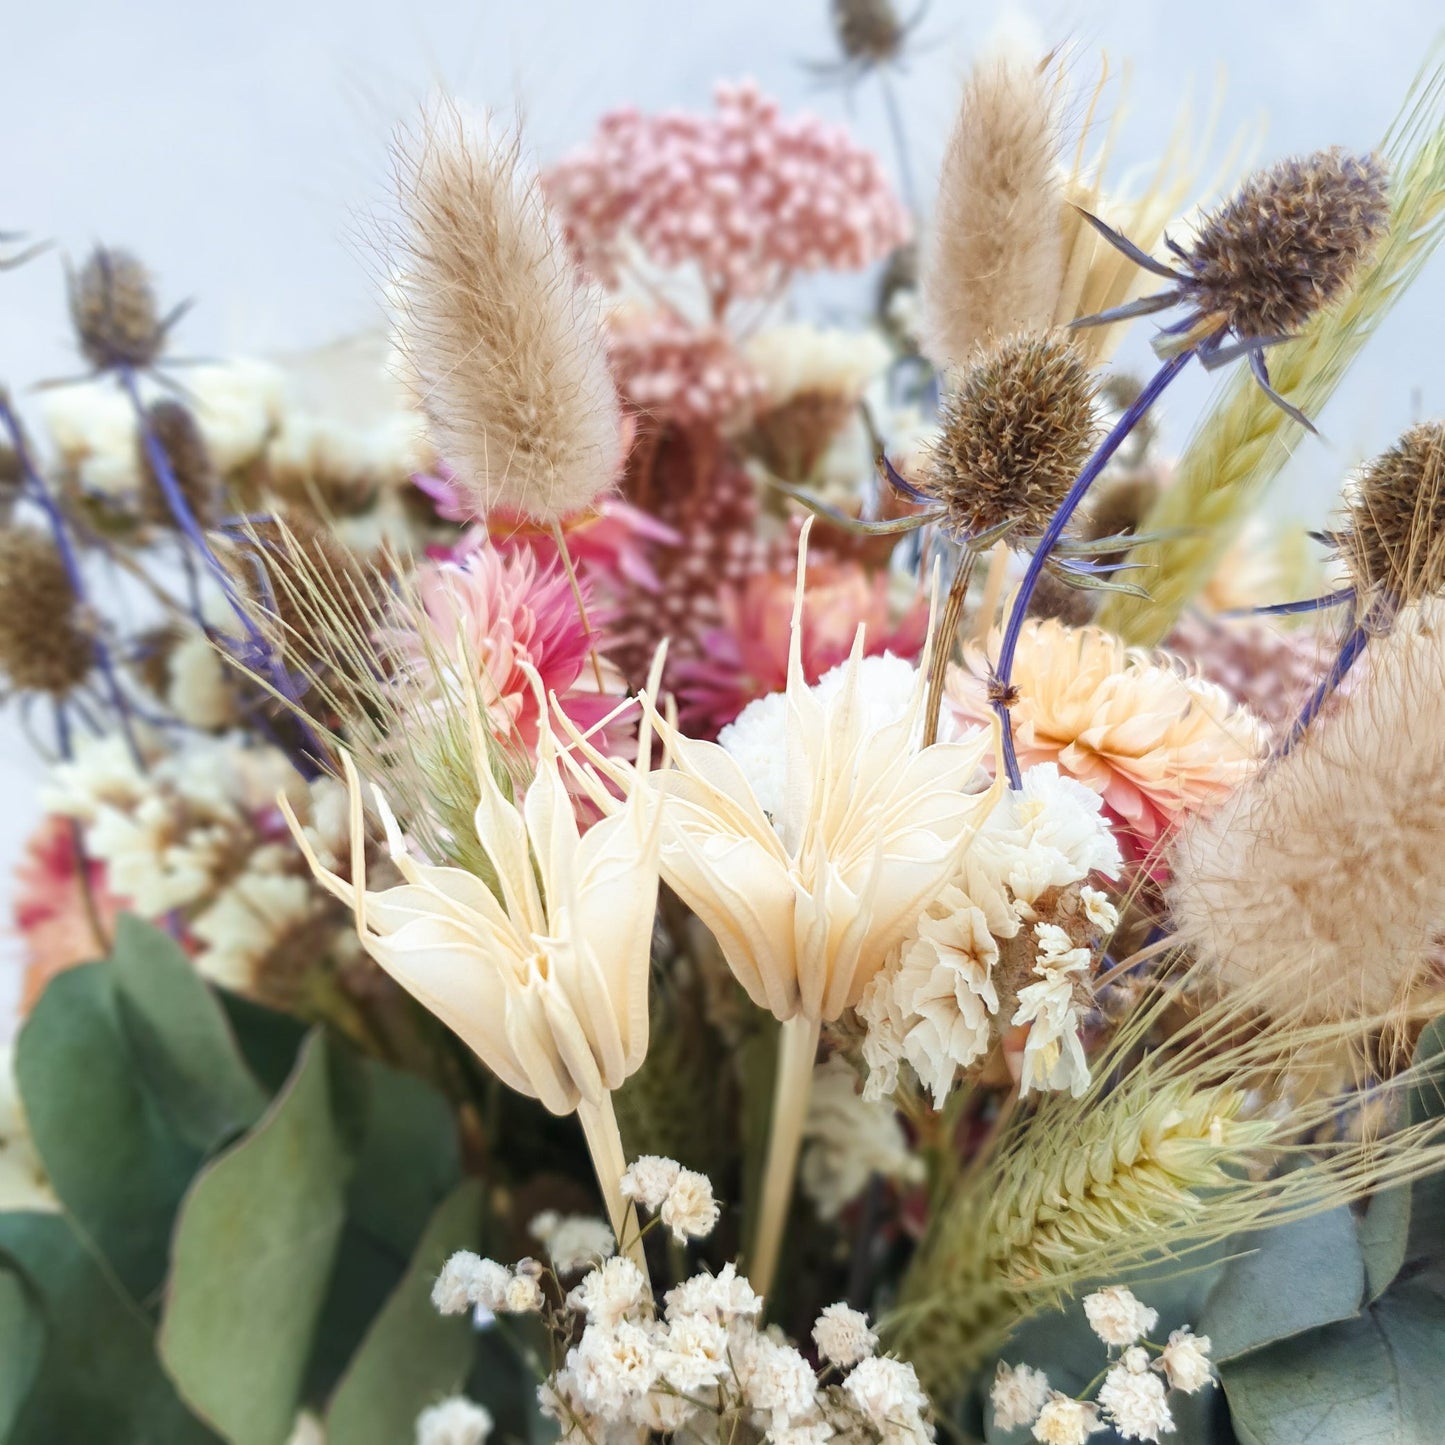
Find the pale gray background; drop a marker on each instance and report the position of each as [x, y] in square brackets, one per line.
[241, 148]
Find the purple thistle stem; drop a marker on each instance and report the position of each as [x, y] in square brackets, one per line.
[39, 492]
[1076, 494]
[1345, 659]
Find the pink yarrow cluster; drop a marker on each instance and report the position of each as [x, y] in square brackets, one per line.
[690, 375]
[747, 195]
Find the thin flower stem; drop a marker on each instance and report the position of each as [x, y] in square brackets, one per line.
[560, 538]
[35, 486]
[942, 649]
[1003, 671]
[1291, 609]
[797, 1048]
[1350, 650]
[604, 1144]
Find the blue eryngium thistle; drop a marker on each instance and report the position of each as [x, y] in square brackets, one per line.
[1285, 247]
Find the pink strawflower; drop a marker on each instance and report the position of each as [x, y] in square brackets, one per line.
[690, 375]
[747, 657]
[503, 616]
[746, 195]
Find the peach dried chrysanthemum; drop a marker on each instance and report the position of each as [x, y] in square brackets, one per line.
[1153, 743]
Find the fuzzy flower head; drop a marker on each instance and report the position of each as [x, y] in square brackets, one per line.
[747, 196]
[807, 902]
[1017, 1395]
[843, 1336]
[542, 967]
[1133, 1399]
[457, 1421]
[1016, 431]
[114, 310]
[1117, 1317]
[1153, 744]
[1185, 1361]
[1065, 1421]
[573, 1242]
[504, 627]
[44, 645]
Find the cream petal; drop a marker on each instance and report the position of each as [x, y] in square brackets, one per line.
[529, 1032]
[502, 831]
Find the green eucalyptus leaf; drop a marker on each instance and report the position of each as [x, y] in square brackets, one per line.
[22, 1345]
[98, 1378]
[109, 1151]
[1373, 1380]
[411, 1355]
[254, 1249]
[1285, 1281]
[183, 1045]
[269, 1040]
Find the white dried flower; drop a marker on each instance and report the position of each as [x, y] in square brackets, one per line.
[457, 1421]
[611, 1292]
[1133, 1398]
[689, 1210]
[722, 1296]
[1185, 1360]
[1117, 1316]
[1017, 1395]
[1098, 910]
[694, 1353]
[573, 1242]
[842, 1336]
[523, 1296]
[810, 1432]
[775, 1377]
[1064, 1421]
[1054, 1052]
[648, 1179]
[467, 1280]
[612, 1366]
[887, 1393]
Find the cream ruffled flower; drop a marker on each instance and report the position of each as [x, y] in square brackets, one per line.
[543, 973]
[1152, 743]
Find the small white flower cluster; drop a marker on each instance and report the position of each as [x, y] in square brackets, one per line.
[1133, 1397]
[681, 1198]
[936, 1005]
[701, 1365]
[574, 1241]
[457, 1421]
[196, 834]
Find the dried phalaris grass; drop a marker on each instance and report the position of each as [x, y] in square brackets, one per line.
[501, 340]
[993, 259]
[1244, 440]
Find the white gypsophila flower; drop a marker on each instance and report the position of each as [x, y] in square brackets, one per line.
[689, 1210]
[247, 920]
[198, 689]
[457, 1421]
[809, 1432]
[573, 1242]
[648, 1178]
[842, 1335]
[1117, 1316]
[523, 1296]
[723, 1296]
[1065, 1421]
[885, 1024]
[23, 1182]
[614, 1290]
[1054, 1052]
[1098, 910]
[887, 1393]
[661, 1412]
[1132, 1396]
[467, 1280]
[849, 1139]
[612, 1366]
[1017, 1395]
[693, 1354]
[1185, 1360]
[776, 1378]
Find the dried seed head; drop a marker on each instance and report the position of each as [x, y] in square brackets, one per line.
[43, 647]
[114, 310]
[11, 477]
[1289, 243]
[1017, 430]
[1393, 540]
[174, 428]
[869, 31]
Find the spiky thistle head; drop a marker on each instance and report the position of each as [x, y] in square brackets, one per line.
[174, 428]
[114, 310]
[501, 340]
[1393, 538]
[1288, 243]
[870, 32]
[43, 645]
[1017, 429]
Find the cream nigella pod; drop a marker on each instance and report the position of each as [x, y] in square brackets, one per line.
[545, 974]
[807, 902]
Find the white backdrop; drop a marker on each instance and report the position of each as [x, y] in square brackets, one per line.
[240, 148]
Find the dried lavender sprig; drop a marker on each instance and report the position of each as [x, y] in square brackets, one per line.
[39, 492]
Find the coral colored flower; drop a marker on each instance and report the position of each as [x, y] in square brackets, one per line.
[50, 907]
[500, 618]
[747, 657]
[1154, 744]
[747, 196]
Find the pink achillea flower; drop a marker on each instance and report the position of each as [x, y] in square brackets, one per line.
[746, 195]
[1154, 744]
[503, 617]
[747, 657]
